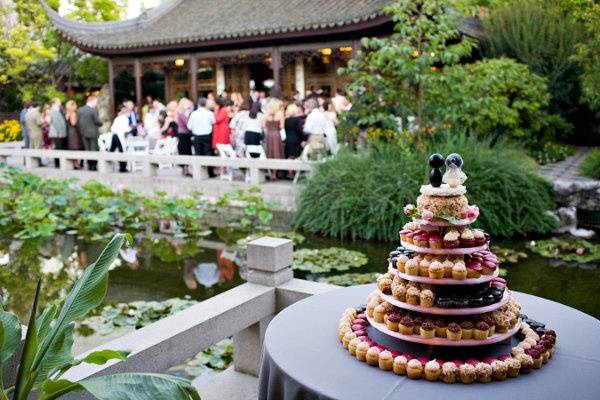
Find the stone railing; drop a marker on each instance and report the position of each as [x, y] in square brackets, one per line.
[150, 163]
[242, 312]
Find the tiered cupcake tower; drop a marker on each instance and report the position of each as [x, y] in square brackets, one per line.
[442, 290]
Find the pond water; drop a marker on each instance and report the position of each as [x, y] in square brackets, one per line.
[163, 268]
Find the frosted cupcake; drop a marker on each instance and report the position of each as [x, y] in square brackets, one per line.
[352, 346]
[467, 374]
[467, 239]
[348, 336]
[379, 313]
[392, 322]
[426, 298]
[400, 364]
[454, 331]
[413, 296]
[427, 330]
[481, 330]
[433, 370]
[484, 372]
[424, 268]
[467, 329]
[499, 370]
[411, 267]
[373, 355]
[406, 326]
[386, 360]
[451, 239]
[399, 292]
[436, 270]
[414, 369]
[514, 365]
[448, 268]
[401, 262]
[459, 271]
[449, 372]
[440, 328]
[361, 351]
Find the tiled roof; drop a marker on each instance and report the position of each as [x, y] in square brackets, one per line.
[178, 22]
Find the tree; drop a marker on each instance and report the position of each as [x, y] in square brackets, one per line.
[33, 58]
[392, 74]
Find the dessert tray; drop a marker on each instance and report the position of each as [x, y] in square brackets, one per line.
[457, 251]
[446, 311]
[495, 338]
[426, 311]
[444, 281]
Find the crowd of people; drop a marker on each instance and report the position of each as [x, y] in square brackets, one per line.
[283, 128]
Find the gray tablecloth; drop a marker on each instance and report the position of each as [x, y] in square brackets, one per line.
[303, 359]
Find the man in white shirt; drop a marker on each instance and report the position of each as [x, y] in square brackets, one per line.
[201, 124]
[315, 125]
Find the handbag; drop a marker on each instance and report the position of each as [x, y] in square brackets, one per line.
[282, 134]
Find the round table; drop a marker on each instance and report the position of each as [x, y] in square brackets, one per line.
[303, 359]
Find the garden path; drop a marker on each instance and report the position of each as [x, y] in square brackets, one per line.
[568, 169]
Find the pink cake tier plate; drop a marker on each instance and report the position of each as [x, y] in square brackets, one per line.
[446, 311]
[444, 252]
[443, 223]
[444, 281]
[495, 338]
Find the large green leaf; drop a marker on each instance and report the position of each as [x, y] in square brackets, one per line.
[24, 377]
[45, 319]
[129, 386]
[86, 294]
[11, 335]
[57, 356]
[101, 357]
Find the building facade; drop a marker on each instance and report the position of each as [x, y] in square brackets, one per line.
[193, 47]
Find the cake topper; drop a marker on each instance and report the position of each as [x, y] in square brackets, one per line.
[454, 176]
[436, 161]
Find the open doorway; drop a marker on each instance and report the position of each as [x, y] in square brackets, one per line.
[259, 73]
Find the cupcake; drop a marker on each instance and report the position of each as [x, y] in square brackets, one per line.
[412, 296]
[499, 370]
[400, 364]
[409, 237]
[537, 357]
[467, 239]
[514, 365]
[467, 329]
[426, 298]
[392, 322]
[401, 261]
[361, 351]
[484, 372]
[424, 268]
[481, 330]
[411, 267]
[467, 374]
[491, 324]
[414, 369]
[403, 234]
[406, 325]
[427, 330]
[373, 355]
[352, 346]
[448, 268]
[488, 267]
[422, 240]
[459, 271]
[454, 331]
[451, 239]
[479, 237]
[526, 363]
[436, 270]
[379, 313]
[348, 336]
[449, 372]
[385, 285]
[433, 370]
[435, 241]
[473, 269]
[386, 361]
[399, 292]
[418, 321]
[440, 328]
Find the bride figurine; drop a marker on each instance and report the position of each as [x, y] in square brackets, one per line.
[454, 176]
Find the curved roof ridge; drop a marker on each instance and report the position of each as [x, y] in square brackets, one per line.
[147, 17]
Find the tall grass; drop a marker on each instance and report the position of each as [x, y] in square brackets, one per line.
[361, 195]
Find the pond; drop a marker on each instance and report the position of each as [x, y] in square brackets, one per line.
[163, 268]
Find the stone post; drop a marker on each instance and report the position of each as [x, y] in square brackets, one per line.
[269, 264]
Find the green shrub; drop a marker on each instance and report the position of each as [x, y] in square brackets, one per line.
[550, 152]
[590, 166]
[361, 195]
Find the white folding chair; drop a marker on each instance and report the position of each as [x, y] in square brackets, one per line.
[104, 141]
[227, 151]
[165, 147]
[137, 145]
[304, 156]
[254, 149]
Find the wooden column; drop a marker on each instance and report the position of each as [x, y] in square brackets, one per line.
[194, 79]
[167, 88]
[276, 67]
[299, 76]
[220, 78]
[137, 74]
[111, 87]
[356, 46]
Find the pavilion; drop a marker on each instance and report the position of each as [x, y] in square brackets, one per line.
[193, 47]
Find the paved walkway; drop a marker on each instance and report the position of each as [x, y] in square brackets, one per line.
[568, 169]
